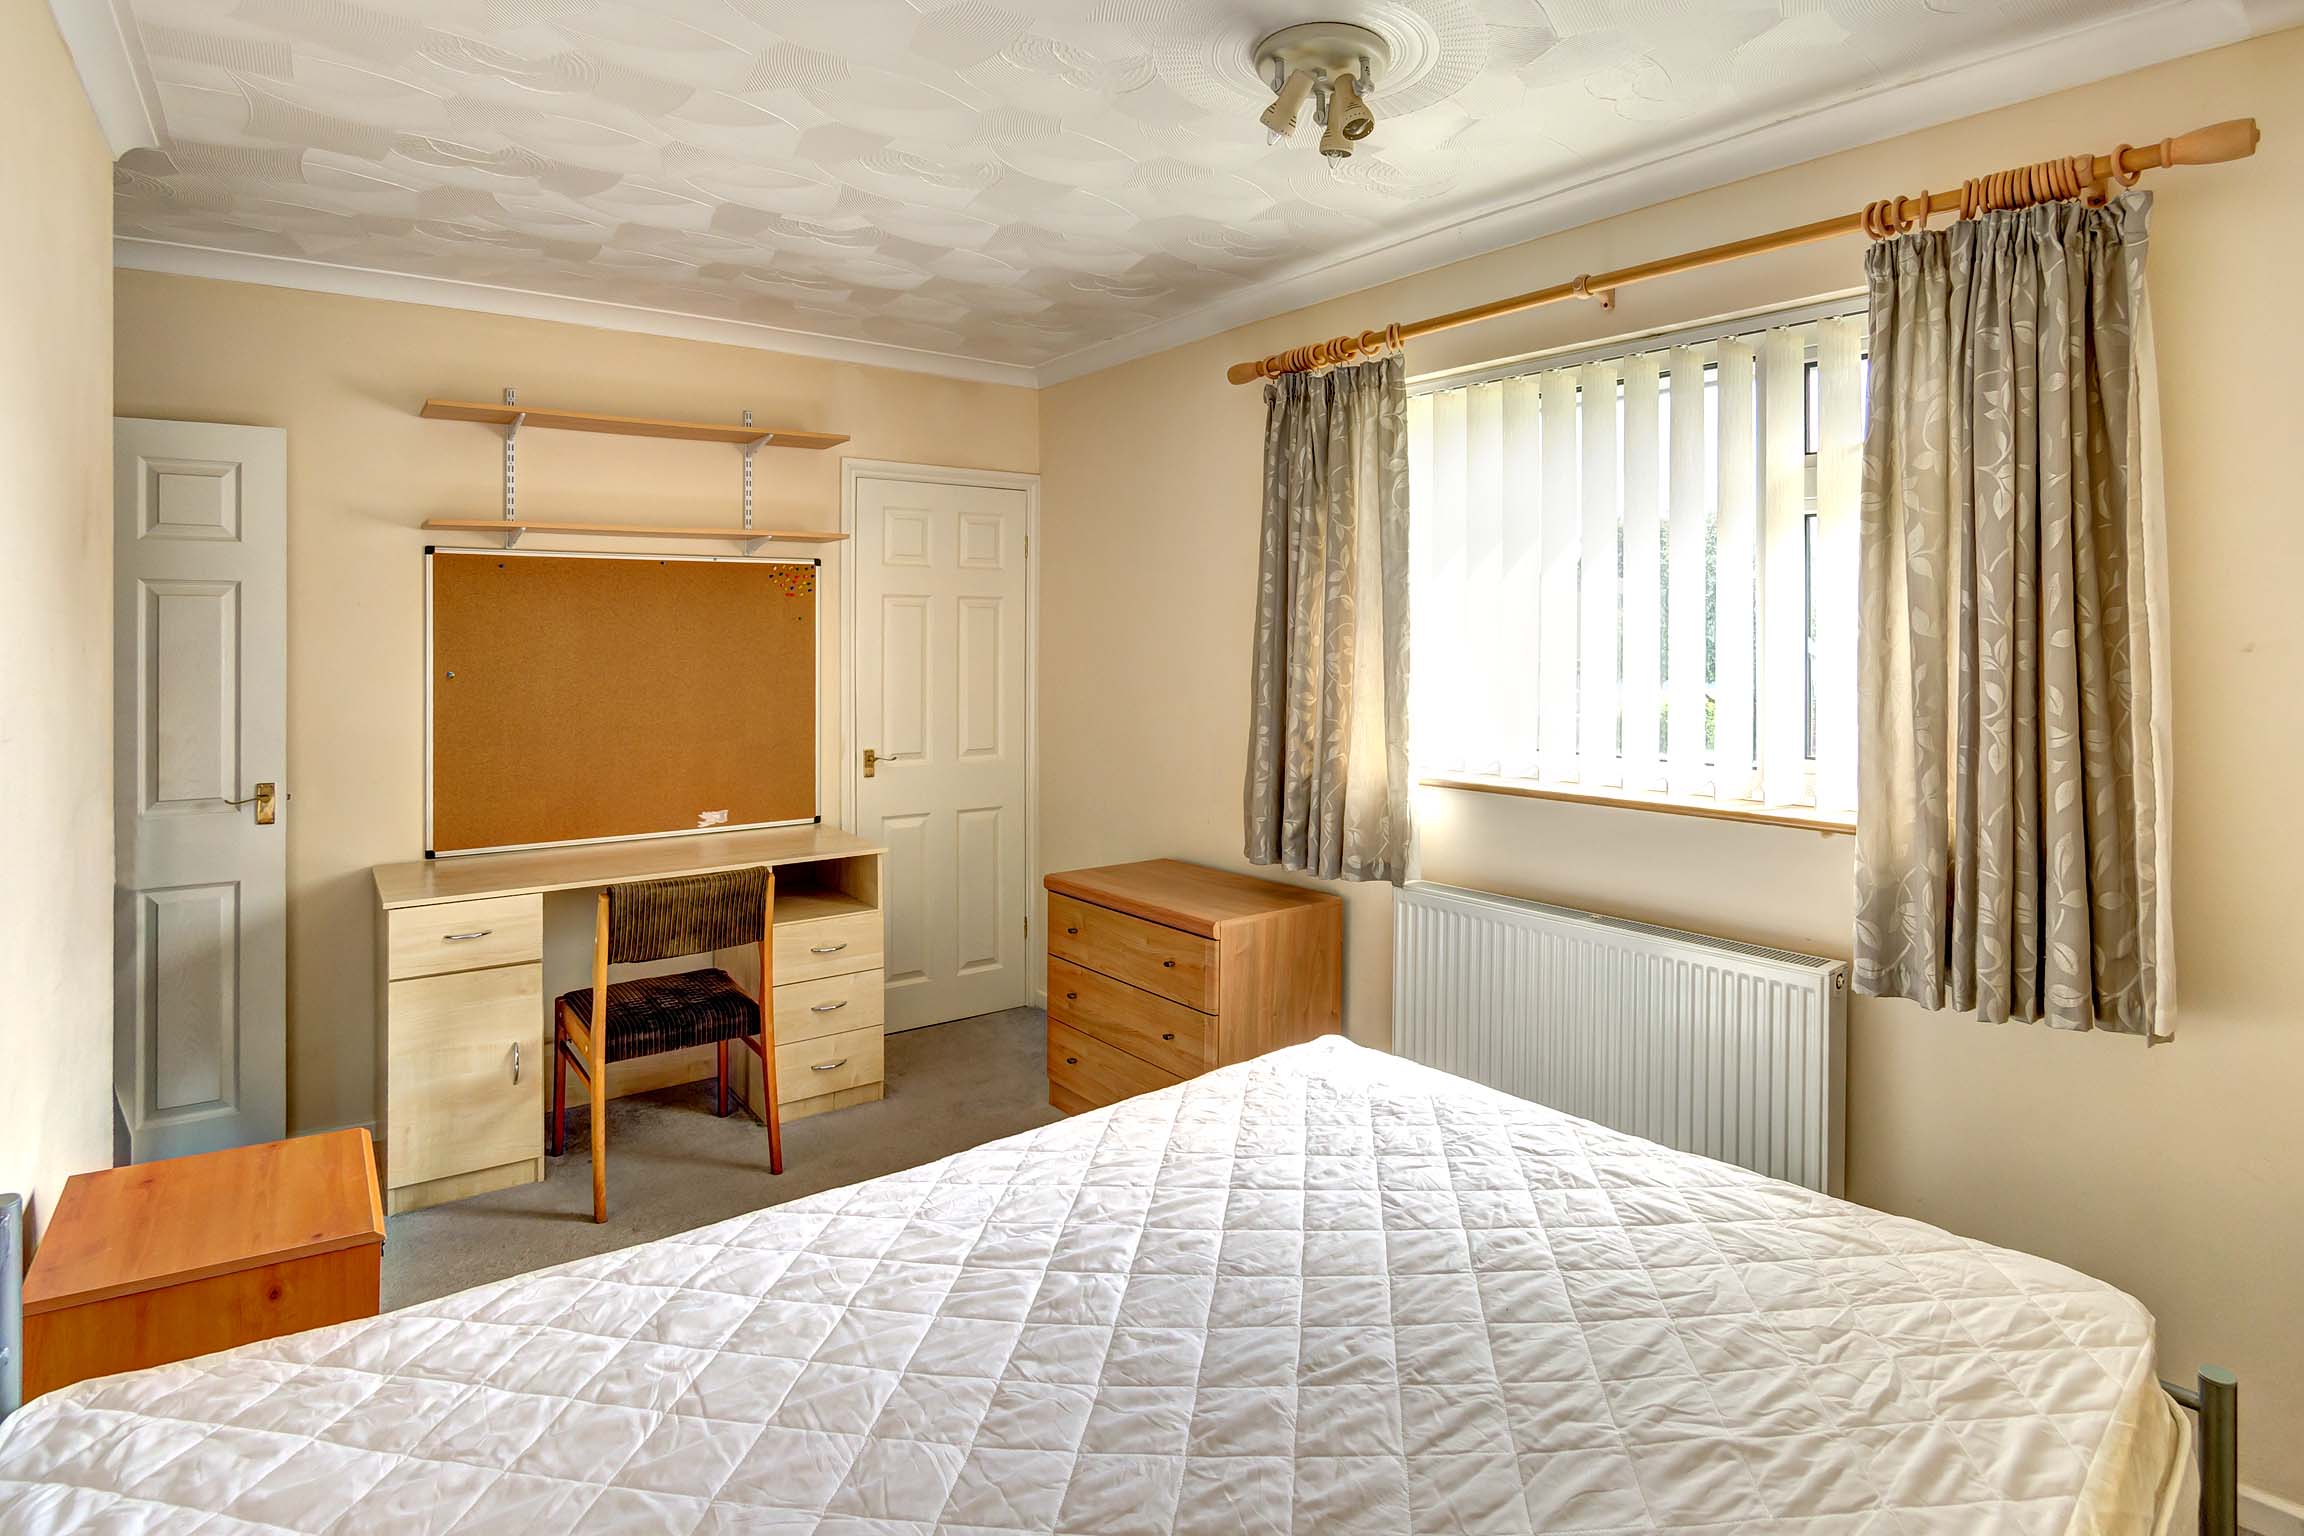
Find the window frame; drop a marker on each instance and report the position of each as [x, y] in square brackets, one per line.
[1809, 816]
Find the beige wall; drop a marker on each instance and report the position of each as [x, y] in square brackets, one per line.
[55, 618]
[345, 377]
[2178, 1173]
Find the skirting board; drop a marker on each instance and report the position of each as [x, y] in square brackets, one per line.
[2268, 1514]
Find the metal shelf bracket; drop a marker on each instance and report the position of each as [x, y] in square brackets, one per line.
[512, 468]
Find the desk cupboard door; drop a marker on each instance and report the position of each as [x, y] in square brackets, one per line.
[465, 1075]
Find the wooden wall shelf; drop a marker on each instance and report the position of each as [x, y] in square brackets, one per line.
[511, 530]
[497, 415]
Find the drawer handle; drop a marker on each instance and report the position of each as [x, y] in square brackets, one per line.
[515, 1061]
[1167, 1037]
[1071, 997]
[1071, 1061]
[828, 1007]
[1170, 964]
[826, 949]
[458, 938]
[1073, 931]
[829, 1066]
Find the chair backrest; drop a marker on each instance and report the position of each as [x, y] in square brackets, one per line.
[653, 919]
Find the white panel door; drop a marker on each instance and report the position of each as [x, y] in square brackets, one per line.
[200, 584]
[940, 706]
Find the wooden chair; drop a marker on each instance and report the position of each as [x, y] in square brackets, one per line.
[653, 920]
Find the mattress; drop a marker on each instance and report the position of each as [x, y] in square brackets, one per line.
[1324, 1291]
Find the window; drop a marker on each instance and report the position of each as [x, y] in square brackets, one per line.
[1635, 573]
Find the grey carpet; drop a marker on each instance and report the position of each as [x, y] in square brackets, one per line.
[672, 1166]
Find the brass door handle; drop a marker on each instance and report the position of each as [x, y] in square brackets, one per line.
[266, 810]
[871, 763]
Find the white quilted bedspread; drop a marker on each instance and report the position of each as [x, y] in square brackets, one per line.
[1327, 1291]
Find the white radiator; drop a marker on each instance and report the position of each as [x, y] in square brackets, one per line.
[1731, 1050]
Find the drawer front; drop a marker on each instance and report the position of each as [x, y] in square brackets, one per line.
[827, 946]
[809, 1068]
[463, 935]
[1168, 1035]
[1177, 965]
[1085, 1073]
[830, 1005]
[464, 1072]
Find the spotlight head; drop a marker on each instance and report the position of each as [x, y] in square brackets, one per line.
[1288, 104]
[1348, 110]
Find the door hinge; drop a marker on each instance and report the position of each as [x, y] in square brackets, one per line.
[1027, 546]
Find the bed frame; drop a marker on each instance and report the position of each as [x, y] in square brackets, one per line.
[2216, 1399]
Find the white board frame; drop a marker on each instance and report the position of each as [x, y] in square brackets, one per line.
[815, 673]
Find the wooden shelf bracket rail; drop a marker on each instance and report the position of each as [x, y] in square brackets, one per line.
[2219, 142]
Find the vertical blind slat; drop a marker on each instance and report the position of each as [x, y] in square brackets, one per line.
[1556, 608]
[1684, 545]
[1512, 670]
[1451, 725]
[1643, 573]
[1784, 566]
[1839, 461]
[1488, 543]
[1732, 743]
[1596, 654]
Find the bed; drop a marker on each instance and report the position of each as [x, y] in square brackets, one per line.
[1322, 1291]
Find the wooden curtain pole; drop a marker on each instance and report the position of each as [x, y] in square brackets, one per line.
[2072, 176]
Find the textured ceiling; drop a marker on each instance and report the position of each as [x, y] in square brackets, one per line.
[1007, 180]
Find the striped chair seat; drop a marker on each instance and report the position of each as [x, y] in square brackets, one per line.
[670, 1013]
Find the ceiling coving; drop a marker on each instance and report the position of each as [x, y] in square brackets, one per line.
[1008, 181]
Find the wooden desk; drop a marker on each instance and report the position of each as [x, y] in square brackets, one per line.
[466, 1013]
[163, 1261]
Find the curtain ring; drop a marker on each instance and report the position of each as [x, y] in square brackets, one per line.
[2120, 171]
[1921, 221]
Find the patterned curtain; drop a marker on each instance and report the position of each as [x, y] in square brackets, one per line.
[1328, 729]
[2013, 814]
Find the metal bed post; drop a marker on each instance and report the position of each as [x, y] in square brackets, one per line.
[2217, 1401]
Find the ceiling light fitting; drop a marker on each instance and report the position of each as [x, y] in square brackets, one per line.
[1332, 64]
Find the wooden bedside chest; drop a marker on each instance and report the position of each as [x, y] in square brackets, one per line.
[163, 1261]
[1161, 970]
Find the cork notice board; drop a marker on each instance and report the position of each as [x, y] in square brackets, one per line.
[585, 696]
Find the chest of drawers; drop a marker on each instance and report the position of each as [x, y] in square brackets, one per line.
[1161, 970]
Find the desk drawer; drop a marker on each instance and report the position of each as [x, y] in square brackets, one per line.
[809, 1069]
[1168, 1035]
[1175, 964]
[463, 935]
[830, 1005]
[1085, 1073]
[464, 1073]
[827, 946]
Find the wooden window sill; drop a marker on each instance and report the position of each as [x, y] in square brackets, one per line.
[1806, 818]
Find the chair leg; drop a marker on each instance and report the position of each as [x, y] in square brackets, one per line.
[720, 1104]
[597, 1103]
[556, 1132]
[774, 1117]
